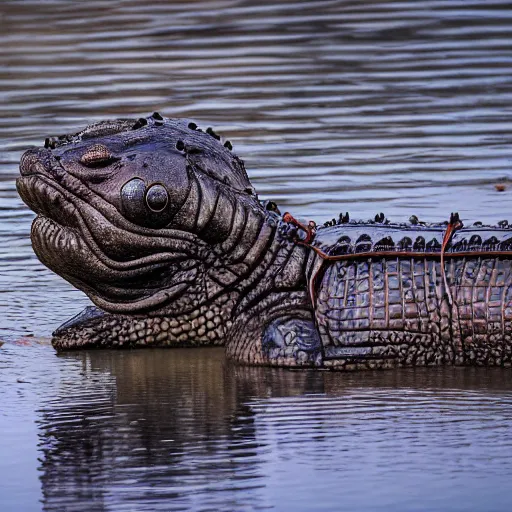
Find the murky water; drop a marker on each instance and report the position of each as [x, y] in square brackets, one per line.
[402, 107]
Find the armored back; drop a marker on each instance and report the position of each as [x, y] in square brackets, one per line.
[384, 296]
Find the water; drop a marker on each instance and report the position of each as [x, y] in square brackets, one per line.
[401, 107]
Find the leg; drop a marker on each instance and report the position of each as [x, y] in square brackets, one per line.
[290, 340]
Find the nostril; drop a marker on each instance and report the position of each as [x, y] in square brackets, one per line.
[32, 160]
[25, 160]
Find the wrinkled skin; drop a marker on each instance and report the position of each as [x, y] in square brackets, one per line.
[158, 224]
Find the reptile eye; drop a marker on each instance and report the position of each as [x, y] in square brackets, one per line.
[157, 198]
[97, 155]
[132, 197]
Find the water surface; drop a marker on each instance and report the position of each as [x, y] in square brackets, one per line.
[402, 107]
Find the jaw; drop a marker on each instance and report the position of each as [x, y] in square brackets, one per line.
[129, 290]
[93, 328]
[86, 241]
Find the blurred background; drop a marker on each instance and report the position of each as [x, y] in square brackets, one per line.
[398, 106]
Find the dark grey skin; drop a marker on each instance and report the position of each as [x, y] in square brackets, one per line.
[158, 223]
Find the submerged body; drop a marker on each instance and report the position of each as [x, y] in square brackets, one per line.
[158, 223]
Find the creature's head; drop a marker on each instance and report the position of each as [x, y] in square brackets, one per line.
[143, 215]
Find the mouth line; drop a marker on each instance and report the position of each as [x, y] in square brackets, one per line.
[73, 220]
[47, 235]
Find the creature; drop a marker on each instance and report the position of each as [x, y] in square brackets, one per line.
[158, 223]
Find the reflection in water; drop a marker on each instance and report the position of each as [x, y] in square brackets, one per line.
[156, 425]
[183, 429]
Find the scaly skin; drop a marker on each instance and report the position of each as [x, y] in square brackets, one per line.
[159, 224]
[395, 312]
[383, 301]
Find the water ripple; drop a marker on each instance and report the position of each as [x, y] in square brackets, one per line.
[395, 106]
